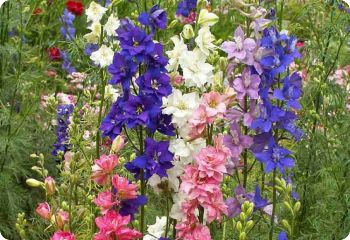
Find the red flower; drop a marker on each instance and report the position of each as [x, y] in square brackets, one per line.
[75, 7]
[37, 11]
[54, 53]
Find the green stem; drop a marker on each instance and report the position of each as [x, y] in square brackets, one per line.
[274, 198]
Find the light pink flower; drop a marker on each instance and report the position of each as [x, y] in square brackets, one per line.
[198, 122]
[44, 210]
[214, 104]
[195, 186]
[212, 163]
[62, 217]
[61, 235]
[114, 226]
[103, 167]
[189, 230]
[215, 206]
[66, 98]
[125, 190]
[105, 200]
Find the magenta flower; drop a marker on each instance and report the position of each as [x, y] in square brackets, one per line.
[61, 235]
[247, 84]
[114, 226]
[237, 142]
[105, 200]
[241, 48]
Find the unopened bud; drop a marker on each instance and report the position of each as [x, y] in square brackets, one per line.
[34, 183]
[118, 144]
[239, 226]
[249, 225]
[297, 207]
[286, 226]
[50, 186]
[242, 236]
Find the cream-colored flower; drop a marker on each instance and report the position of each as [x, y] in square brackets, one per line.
[179, 48]
[111, 25]
[156, 230]
[103, 57]
[94, 35]
[196, 71]
[95, 12]
[205, 40]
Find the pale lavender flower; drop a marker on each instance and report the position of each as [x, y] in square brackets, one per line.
[247, 84]
[237, 142]
[241, 48]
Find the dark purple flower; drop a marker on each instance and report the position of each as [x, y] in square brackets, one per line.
[62, 143]
[161, 123]
[287, 122]
[269, 114]
[122, 70]
[131, 206]
[156, 160]
[157, 86]
[138, 110]
[134, 41]
[113, 123]
[155, 18]
[291, 91]
[185, 7]
[275, 157]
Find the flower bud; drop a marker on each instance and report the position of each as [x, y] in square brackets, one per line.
[33, 155]
[242, 216]
[207, 19]
[33, 182]
[242, 236]
[297, 207]
[223, 64]
[50, 185]
[249, 225]
[44, 211]
[187, 32]
[239, 226]
[286, 225]
[132, 156]
[118, 144]
[173, 23]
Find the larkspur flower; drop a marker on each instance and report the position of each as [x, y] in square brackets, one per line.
[103, 167]
[95, 12]
[62, 235]
[103, 56]
[63, 120]
[111, 25]
[67, 30]
[155, 18]
[105, 200]
[275, 157]
[205, 40]
[185, 7]
[157, 229]
[247, 85]
[234, 203]
[114, 225]
[124, 189]
[241, 48]
[131, 206]
[156, 159]
[174, 55]
[237, 142]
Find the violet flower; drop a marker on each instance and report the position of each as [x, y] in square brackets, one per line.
[237, 142]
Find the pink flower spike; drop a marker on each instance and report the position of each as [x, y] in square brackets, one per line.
[125, 190]
[103, 167]
[44, 210]
[105, 201]
[114, 226]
